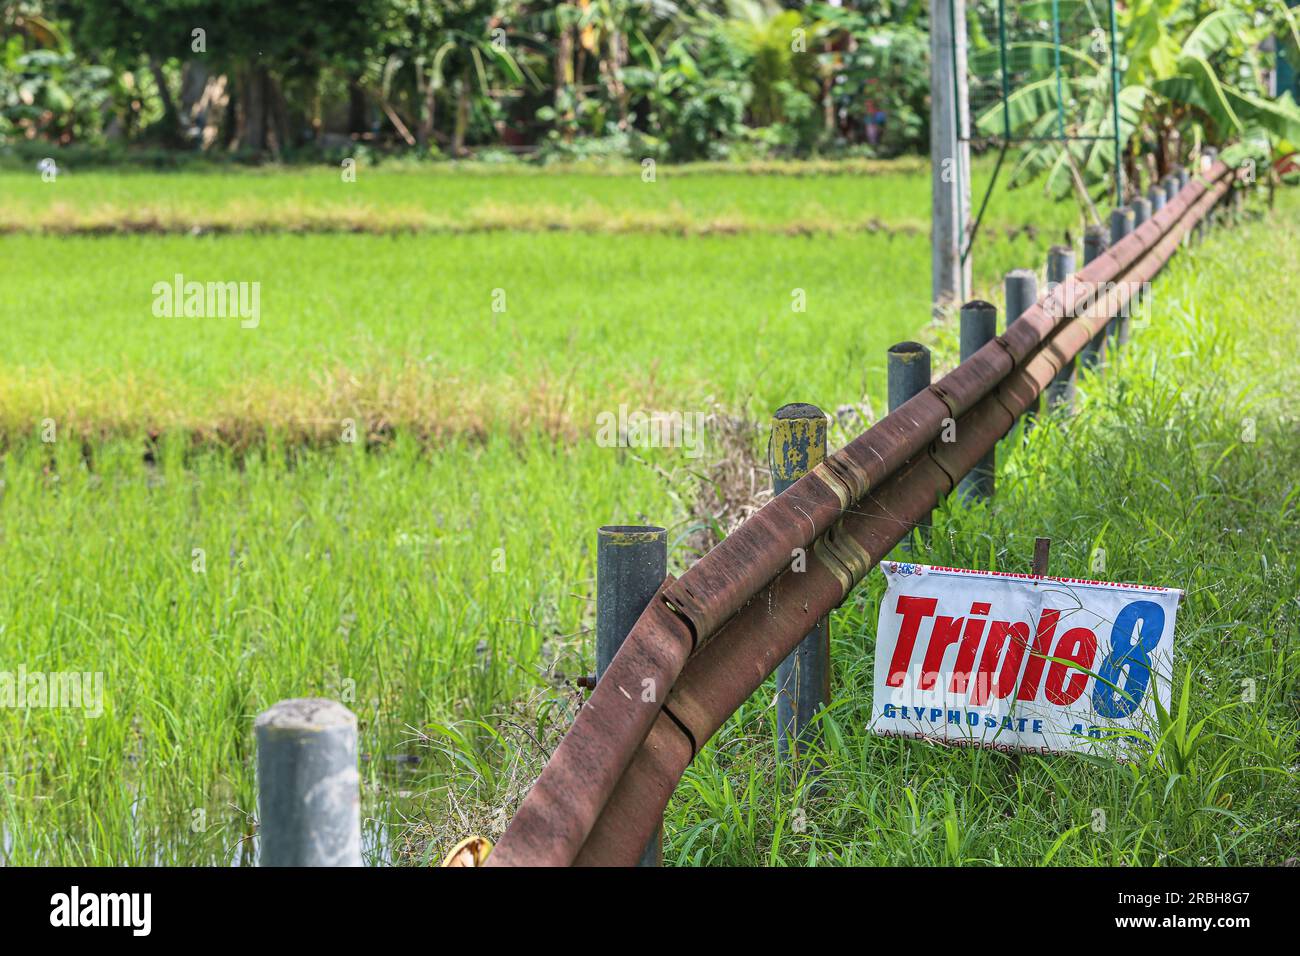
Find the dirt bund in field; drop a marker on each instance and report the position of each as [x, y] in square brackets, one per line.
[114, 222]
[61, 221]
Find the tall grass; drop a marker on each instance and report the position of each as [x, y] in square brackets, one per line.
[1181, 464]
[417, 586]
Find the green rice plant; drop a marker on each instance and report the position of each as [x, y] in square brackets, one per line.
[443, 336]
[783, 199]
[421, 588]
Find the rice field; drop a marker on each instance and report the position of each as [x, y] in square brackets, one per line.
[467, 334]
[795, 198]
[386, 491]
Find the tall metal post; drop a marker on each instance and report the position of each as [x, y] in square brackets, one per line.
[908, 373]
[1117, 329]
[1056, 68]
[803, 680]
[1141, 211]
[1060, 265]
[979, 324]
[308, 788]
[1157, 196]
[631, 564]
[1021, 291]
[1114, 109]
[1094, 244]
[949, 151]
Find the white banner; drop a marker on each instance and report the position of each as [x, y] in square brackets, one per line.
[1017, 662]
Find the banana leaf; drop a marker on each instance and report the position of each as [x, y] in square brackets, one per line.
[1033, 56]
[1196, 85]
[1280, 116]
[1025, 105]
[1217, 31]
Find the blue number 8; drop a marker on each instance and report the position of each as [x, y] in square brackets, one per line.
[1124, 650]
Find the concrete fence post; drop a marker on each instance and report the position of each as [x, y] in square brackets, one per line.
[1156, 196]
[1181, 177]
[950, 169]
[631, 564]
[1211, 219]
[1171, 187]
[1141, 211]
[308, 788]
[1020, 291]
[1060, 266]
[803, 680]
[1122, 222]
[908, 365]
[1094, 244]
[979, 324]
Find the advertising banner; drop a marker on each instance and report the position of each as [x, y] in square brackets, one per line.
[1018, 662]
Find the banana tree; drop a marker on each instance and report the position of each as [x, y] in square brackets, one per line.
[474, 40]
[773, 41]
[599, 32]
[1186, 80]
[458, 46]
[44, 89]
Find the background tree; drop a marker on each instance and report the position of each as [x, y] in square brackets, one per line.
[263, 46]
[1191, 77]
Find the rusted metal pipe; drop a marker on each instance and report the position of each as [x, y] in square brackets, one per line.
[717, 586]
[638, 800]
[554, 819]
[723, 675]
[822, 510]
[727, 670]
